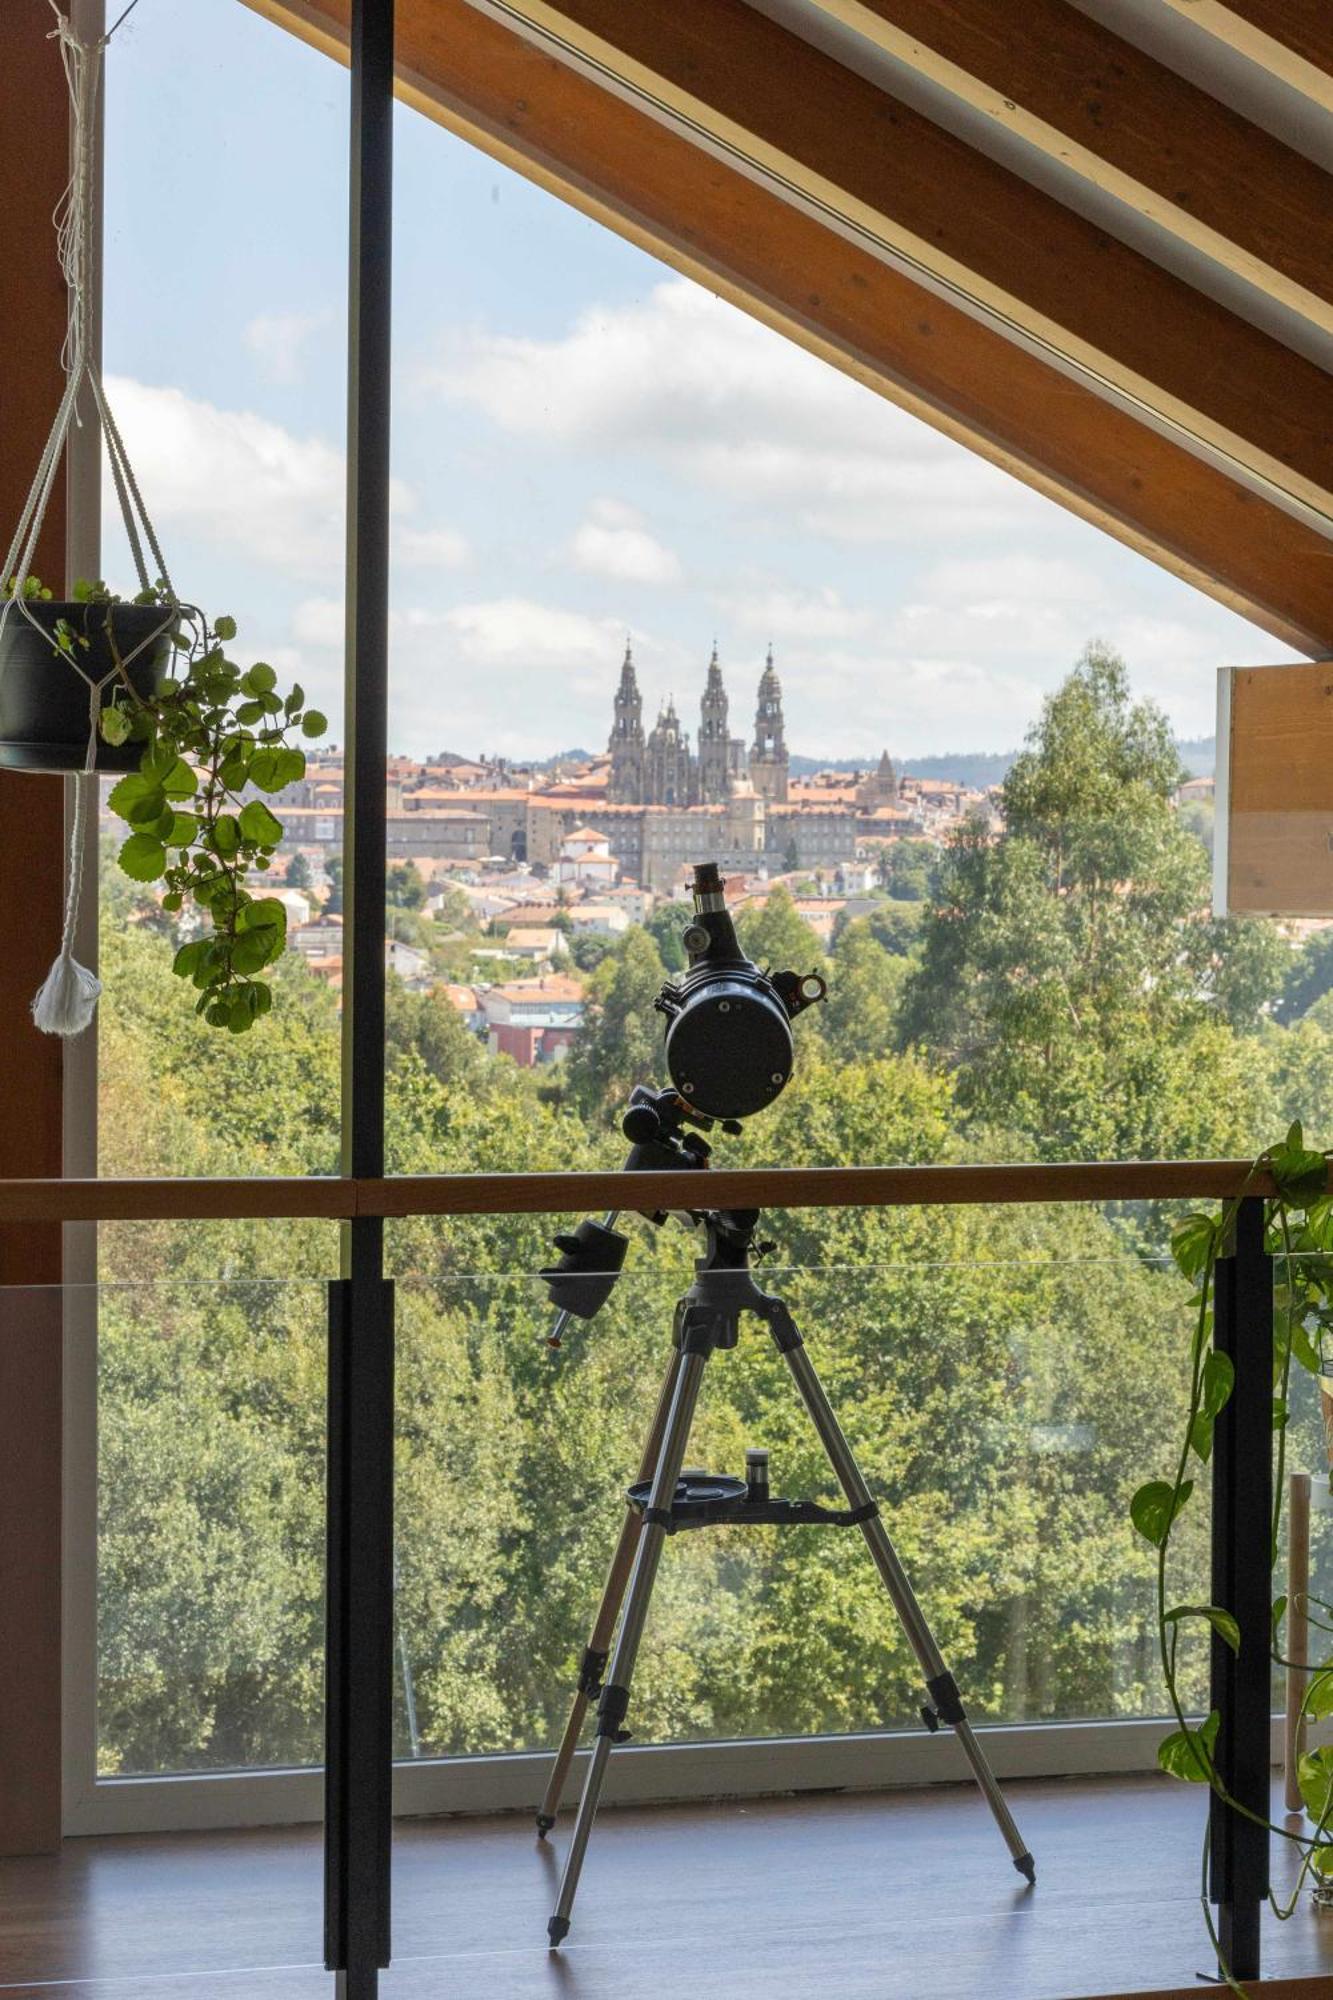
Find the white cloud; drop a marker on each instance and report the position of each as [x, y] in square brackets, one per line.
[739, 410]
[233, 477]
[613, 542]
[277, 341]
[788, 616]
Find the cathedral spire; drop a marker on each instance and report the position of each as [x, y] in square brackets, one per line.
[768, 754]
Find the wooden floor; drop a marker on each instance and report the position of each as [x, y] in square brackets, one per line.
[905, 1896]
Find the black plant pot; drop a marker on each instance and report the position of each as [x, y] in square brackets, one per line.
[44, 700]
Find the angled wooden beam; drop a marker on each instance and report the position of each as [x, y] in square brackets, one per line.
[1291, 39]
[1127, 125]
[720, 227]
[840, 149]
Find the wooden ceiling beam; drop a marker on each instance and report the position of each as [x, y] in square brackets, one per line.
[1291, 39]
[718, 226]
[1127, 125]
[841, 149]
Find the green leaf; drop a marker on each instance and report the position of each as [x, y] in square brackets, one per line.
[1280, 1414]
[258, 824]
[274, 766]
[1321, 1860]
[251, 712]
[1303, 1347]
[1301, 1175]
[147, 810]
[1219, 1375]
[1201, 1436]
[313, 723]
[188, 959]
[1221, 1621]
[113, 725]
[128, 793]
[224, 628]
[142, 858]
[295, 701]
[184, 827]
[226, 834]
[1279, 1613]
[1319, 1696]
[1314, 1775]
[1152, 1510]
[178, 780]
[1188, 1753]
[1194, 1244]
[261, 679]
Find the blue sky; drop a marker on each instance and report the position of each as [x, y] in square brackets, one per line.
[585, 445]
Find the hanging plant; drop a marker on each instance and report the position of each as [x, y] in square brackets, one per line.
[193, 744]
[1299, 1235]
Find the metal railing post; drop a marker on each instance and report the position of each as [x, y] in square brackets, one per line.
[1242, 1584]
[359, 1661]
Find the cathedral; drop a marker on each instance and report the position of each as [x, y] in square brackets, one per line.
[662, 770]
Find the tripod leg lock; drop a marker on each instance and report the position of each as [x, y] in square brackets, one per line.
[591, 1668]
[946, 1702]
[611, 1712]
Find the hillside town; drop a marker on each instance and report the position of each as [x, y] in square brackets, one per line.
[508, 883]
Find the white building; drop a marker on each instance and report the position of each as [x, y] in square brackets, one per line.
[586, 860]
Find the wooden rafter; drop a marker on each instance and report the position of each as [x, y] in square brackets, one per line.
[835, 146]
[1128, 125]
[717, 225]
[1291, 39]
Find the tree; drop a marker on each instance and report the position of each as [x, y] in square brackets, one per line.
[665, 927]
[298, 872]
[404, 886]
[1065, 960]
[621, 1040]
[908, 869]
[333, 903]
[1309, 976]
[865, 985]
[776, 935]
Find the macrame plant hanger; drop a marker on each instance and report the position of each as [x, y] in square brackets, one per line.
[68, 997]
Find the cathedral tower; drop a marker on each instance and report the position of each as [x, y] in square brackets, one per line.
[670, 774]
[768, 754]
[714, 746]
[625, 780]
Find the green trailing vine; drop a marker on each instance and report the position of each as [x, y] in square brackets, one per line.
[1299, 1235]
[215, 736]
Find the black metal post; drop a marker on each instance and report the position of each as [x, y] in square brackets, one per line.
[359, 1658]
[1242, 1584]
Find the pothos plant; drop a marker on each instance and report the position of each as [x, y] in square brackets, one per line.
[213, 734]
[1299, 1235]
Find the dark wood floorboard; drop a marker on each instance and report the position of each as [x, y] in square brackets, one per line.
[904, 1896]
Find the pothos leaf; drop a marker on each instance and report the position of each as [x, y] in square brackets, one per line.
[1155, 1506]
[1314, 1775]
[1221, 1621]
[1194, 1244]
[1188, 1753]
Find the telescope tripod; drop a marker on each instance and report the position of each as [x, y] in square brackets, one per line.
[708, 1318]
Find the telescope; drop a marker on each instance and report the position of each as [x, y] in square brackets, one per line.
[729, 1054]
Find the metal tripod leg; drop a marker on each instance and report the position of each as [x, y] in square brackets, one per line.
[599, 1645]
[614, 1701]
[940, 1682]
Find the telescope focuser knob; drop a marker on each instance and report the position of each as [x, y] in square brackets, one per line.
[695, 939]
[668, 1000]
[641, 1124]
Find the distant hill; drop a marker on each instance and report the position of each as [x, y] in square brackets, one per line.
[980, 768]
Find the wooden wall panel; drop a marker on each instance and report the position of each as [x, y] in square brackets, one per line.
[1275, 796]
[34, 166]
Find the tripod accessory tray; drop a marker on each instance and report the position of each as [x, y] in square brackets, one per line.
[715, 1499]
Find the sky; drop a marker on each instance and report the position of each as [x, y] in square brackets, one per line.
[587, 447]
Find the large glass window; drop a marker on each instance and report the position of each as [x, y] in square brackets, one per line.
[666, 589]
